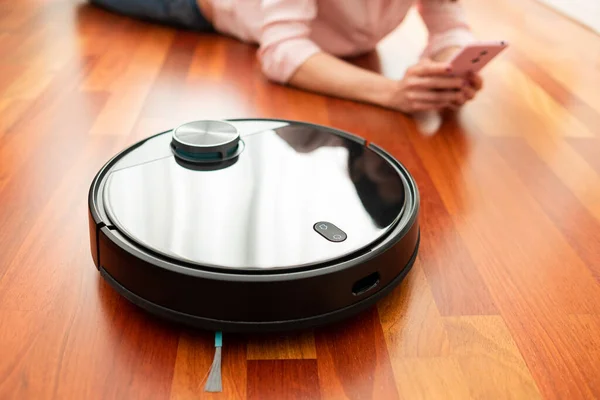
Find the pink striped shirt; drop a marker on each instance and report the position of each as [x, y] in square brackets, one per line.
[290, 31]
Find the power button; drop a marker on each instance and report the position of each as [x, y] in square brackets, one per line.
[329, 231]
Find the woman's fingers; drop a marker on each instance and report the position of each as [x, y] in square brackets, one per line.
[453, 106]
[429, 68]
[427, 106]
[431, 83]
[469, 93]
[427, 100]
[435, 97]
[475, 81]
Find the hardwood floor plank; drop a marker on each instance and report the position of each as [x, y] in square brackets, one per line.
[560, 55]
[48, 116]
[411, 323]
[29, 340]
[15, 17]
[282, 346]
[145, 127]
[123, 108]
[430, 378]
[25, 192]
[9, 74]
[172, 78]
[25, 44]
[585, 330]
[577, 225]
[227, 94]
[10, 112]
[211, 100]
[44, 45]
[31, 83]
[353, 361]
[246, 67]
[13, 43]
[101, 32]
[533, 110]
[529, 282]
[208, 59]
[489, 358]
[452, 274]
[111, 354]
[19, 152]
[114, 60]
[39, 255]
[561, 94]
[194, 358]
[588, 149]
[553, 353]
[581, 179]
[283, 379]
[492, 221]
[453, 277]
[580, 12]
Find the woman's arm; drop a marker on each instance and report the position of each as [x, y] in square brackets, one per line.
[288, 56]
[449, 31]
[447, 25]
[326, 74]
[421, 89]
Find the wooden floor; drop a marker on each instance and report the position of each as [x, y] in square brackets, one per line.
[503, 302]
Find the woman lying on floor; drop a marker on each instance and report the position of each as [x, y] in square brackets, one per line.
[300, 42]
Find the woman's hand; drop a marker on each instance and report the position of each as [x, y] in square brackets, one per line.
[427, 86]
[469, 91]
[474, 81]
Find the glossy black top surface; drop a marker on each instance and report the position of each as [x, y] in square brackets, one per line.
[263, 211]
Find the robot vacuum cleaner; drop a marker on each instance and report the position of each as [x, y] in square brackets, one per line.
[253, 224]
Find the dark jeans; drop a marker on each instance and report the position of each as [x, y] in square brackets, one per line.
[178, 13]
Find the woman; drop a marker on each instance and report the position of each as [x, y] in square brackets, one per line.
[301, 43]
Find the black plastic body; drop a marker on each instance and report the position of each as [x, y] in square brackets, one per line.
[248, 301]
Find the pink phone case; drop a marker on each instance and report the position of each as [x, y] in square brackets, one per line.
[476, 56]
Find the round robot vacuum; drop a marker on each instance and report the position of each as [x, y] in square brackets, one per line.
[253, 224]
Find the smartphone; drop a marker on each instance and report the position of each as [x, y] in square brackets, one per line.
[475, 56]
